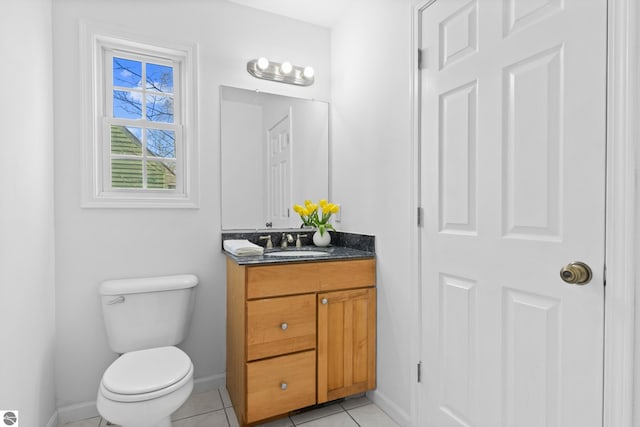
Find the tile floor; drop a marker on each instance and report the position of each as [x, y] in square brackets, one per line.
[213, 409]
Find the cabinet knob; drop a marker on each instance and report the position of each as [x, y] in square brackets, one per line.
[324, 301]
[284, 326]
[283, 386]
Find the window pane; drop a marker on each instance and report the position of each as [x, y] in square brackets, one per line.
[160, 78]
[161, 143]
[161, 175]
[127, 105]
[160, 108]
[126, 173]
[126, 140]
[127, 73]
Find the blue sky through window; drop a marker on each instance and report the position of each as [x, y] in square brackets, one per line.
[129, 104]
[127, 73]
[159, 78]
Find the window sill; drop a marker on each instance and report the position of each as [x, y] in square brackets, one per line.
[122, 201]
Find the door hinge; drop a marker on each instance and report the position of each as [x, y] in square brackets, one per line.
[422, 59]
[420, 371]
[420, 216]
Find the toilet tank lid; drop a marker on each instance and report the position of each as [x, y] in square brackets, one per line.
[148, 284]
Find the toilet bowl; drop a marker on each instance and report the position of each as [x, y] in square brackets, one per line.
[143, 388]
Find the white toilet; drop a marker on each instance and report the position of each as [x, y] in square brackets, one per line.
[145, 319]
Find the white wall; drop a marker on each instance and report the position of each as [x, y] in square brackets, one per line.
[97, 244]
[27, 317]
[371, 161]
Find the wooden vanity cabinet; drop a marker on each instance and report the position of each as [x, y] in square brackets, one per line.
[299, 334]
[346, 343]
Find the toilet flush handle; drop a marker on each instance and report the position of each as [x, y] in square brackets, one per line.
[118, 300]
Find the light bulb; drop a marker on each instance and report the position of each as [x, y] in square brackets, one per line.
[263, 63]
[308, 72]
[286, 67]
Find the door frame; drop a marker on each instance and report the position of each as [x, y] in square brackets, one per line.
[622, 222]
[621, 214]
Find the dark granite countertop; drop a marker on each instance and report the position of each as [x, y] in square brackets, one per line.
[344, 246]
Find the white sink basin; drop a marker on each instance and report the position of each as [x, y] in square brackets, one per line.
[296, 253]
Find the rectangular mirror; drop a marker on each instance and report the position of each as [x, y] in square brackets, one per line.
[274, 153]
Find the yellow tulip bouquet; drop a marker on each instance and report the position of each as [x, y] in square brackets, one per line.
[310, 214]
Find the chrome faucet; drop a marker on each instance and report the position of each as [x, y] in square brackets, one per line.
[268, 239]
[286, 239]
[298, 242]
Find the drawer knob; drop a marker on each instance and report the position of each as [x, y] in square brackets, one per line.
[284, 326]
[283, 386]
[324, 301]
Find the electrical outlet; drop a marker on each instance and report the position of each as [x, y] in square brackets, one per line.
[339, 214]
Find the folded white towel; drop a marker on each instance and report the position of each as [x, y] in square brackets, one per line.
[242, 247]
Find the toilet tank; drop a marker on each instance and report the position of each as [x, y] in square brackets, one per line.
[147, 312]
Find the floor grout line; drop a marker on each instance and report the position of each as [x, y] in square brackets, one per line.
[351, 416]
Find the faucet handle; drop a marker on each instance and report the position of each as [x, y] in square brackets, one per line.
[268, 239]
[298, 242]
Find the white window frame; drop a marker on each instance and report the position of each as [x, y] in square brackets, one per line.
[98, 46]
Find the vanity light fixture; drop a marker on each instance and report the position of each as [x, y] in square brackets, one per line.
[308, 72]
[262, 68]
[286, 67]
[263, 63]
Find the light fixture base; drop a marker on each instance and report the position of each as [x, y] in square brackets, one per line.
[274, 72]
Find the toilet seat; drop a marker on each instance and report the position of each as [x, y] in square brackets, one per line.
[146, 374]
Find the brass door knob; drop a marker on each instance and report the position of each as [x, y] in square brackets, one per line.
[577, 273]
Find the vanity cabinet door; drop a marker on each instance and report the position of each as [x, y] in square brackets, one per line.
[346, 343]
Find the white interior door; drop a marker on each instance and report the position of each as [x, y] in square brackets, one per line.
[279, 172]
[512, 185]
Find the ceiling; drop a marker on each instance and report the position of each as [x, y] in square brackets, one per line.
[325, 13]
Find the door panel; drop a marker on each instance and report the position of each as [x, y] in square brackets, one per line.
[532, 141]
[457, 147]
[512, 126]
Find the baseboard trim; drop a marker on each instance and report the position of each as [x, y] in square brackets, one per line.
[209, 383]
[77, 412]
[53, 421]
[390, 408]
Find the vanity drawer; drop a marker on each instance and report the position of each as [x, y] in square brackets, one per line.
[280, 325]
[287, 279]
[280, 385]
